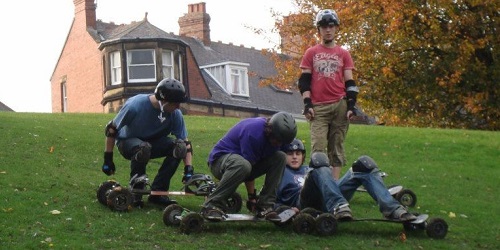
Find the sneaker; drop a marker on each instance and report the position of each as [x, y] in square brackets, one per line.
[161, 200]
[401, 214]
[268, 214]
[212, 213]
[342, 213]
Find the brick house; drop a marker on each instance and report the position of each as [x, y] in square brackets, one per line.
[103, 64]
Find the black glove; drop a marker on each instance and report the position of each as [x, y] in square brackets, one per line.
[109, 166]
[252, 201]
[188, 172]
[307, 105]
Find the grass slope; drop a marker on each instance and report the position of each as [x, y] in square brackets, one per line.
[51, 163]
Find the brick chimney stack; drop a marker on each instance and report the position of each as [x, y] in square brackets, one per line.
[290, 45]
[196, 23]
[87, 9]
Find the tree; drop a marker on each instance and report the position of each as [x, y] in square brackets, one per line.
[426, 63]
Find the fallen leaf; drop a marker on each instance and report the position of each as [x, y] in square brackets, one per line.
[402, 237]
[51, 149]
[452, 215]
[55, 212]
[8, 210]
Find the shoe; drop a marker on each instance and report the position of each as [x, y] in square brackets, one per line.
[212, 213]
[268, 214]
[342, 213]
[401, 214]
[161, 200]
[138, 203]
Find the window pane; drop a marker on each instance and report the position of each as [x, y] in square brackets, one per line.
[142, 57]
[142, 72]
[116, 72]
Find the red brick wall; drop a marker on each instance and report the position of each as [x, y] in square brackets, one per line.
[80, 65]
[197, 87]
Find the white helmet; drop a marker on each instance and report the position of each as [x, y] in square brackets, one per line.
[327, 17]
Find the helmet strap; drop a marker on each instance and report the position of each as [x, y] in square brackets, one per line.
[327, 41]
[160, 116]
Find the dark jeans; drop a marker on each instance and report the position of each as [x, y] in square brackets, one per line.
[161, 147]
[320, 191]
[233, 169]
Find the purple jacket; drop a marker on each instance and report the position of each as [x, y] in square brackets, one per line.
[247, 139]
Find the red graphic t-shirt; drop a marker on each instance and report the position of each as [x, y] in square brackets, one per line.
[327, 66]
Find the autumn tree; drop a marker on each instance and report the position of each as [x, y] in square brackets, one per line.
[426, 63]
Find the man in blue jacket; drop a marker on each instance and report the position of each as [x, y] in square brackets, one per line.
[141, 132]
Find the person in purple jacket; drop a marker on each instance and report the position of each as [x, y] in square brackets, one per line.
[250, 149]
[141, 132]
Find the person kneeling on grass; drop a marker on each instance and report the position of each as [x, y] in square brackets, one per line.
[313, 186]
[250, 149]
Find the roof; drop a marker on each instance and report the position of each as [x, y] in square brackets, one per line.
[4, 107]
[265, 98]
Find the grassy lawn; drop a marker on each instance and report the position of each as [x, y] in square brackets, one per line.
[50, 169]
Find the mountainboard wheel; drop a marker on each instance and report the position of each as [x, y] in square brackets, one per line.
[104, 189]
[171, 215]
[191, 223]
[406, 197]
[303, 224]
[234, 203]
[326, 224]
[312, 211]
[437, 228]
[120, 199]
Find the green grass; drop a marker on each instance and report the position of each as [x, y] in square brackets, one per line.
[53, 162]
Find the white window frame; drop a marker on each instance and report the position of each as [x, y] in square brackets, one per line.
[230, 76]
[239, 80]
[115, 67]
[167, 67]
[64, 96]
[149, 66]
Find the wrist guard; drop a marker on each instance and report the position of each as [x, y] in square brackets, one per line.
[307, 105]
[351, 94]
[108, 156]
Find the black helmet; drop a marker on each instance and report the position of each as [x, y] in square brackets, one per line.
[364, 164]
[283, 127]
[295, 145]
[170, 90]
[318, 160]
[327, 17]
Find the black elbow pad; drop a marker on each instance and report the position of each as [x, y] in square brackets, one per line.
[351, 89]
[110, 130]
[305, 82]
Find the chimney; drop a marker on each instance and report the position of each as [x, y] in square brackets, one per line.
[87, 9]
[290, 44]
[196, 23]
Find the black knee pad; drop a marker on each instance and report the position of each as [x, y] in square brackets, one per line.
[143, 152]
[364, 164]
[180, 149]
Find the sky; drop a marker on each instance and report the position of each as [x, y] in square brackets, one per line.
[34, 32]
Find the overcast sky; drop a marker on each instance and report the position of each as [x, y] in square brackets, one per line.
[34, 32]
